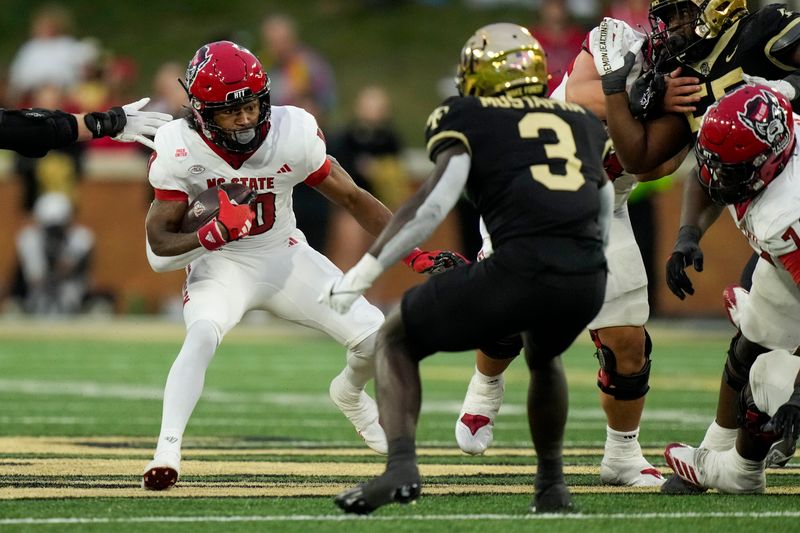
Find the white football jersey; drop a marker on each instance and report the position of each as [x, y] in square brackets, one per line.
[293, 151]
[626, 182]
[771, 222]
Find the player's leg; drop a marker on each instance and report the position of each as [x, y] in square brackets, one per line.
[624, 355]
[741, 469]
[214, 301]
[296, 278]
[566, 304]
[475, 423]
[399, 396]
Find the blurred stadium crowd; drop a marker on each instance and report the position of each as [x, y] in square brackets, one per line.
[58, 67]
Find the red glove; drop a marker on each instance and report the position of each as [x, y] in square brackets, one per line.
[236, 219]
[434, 262]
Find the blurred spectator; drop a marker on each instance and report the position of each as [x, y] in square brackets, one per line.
[369, 149]
[300, 77]
[169, 96]
[560, 37]
[634, 12]
[54, 255]
[59, 170]
[50, 57]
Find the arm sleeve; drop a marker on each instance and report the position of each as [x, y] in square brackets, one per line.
[177, 262]
[33, 132]
[431, 212]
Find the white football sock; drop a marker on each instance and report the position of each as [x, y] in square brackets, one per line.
[622, 444]
[483, 379]
[185, 383]
[719, 438]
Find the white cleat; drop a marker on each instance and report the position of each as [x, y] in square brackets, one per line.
[735, 299]
[361, 410]
[162, 472]
[634, 472]
[709, 469]
[475, 424]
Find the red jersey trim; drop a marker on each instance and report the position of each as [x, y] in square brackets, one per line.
[319, 175]
[171, 196]
[791, 262]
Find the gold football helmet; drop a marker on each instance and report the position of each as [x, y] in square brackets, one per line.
[502, 58]
[712, 18]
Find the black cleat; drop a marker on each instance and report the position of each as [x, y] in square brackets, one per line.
[780, 453]
[554, 499]
[387, 488]
[675, 484]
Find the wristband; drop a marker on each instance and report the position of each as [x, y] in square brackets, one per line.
[210, 236]
[108, 124]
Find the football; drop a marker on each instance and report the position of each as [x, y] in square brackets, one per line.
[206, 205]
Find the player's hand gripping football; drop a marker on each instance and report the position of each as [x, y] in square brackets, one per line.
[233, 222]
[340, 294]
[618, 44]
[686, 252]
[140, 125]
[434, 261]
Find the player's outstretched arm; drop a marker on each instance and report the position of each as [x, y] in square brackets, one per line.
[369, 212]
[411, 224]
[373, 216]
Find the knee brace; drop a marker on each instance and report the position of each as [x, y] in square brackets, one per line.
[505, 348]
[741, 355]
[622, 386]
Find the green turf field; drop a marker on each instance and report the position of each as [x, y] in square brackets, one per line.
[266, 449]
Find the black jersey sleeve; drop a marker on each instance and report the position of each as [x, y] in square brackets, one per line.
[782, 24]
[449, 125]
[32, 132]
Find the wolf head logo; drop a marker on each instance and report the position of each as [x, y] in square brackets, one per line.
[766, 118]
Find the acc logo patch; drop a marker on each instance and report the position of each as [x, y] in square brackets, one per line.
[197, 169]
[198, 209]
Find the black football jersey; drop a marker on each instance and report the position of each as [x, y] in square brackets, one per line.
[742, 48]
[536, 166]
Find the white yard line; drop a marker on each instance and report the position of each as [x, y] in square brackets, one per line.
[420, 518]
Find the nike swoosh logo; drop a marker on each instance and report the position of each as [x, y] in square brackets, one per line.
[728, 57]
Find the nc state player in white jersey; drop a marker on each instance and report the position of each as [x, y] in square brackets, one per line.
[253, 259]
[749, 160]
[618, 331]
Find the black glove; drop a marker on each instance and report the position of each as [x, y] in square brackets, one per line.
[786, 421]
[615, 81]
[686, 252]
[646, 96]
[108, 124]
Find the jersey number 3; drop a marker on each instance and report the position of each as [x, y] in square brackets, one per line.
[530, 127]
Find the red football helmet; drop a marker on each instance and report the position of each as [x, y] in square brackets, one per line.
[223, 74]
[745, 140]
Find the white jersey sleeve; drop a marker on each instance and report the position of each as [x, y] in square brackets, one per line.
[163, 173]
[316, 162]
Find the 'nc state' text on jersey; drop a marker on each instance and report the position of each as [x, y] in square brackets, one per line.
[257, 184]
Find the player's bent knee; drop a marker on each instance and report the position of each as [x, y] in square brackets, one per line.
[622, 386]
[742, 354]
[505, 348]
